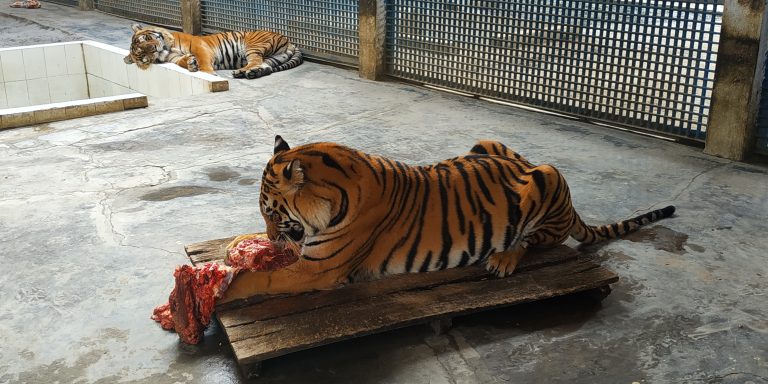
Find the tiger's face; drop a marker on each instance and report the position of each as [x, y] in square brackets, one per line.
[146, 46]
[280, 182]
[296, 201]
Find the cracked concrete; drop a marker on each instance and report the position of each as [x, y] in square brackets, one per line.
[94, 213]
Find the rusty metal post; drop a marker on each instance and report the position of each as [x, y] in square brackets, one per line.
[738, 79]
[85, 5]
[372, 22]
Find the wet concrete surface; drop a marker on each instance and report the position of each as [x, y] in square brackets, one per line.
[94, 214]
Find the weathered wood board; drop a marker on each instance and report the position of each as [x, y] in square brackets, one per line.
[264, 327]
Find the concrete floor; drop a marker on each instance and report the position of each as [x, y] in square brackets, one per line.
[94, 213]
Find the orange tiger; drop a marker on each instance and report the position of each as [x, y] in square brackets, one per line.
[251, 54]
[354, 216]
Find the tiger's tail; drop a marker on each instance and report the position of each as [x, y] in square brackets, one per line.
[296, 58]
[588, 234]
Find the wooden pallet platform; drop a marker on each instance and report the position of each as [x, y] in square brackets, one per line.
[264, 327]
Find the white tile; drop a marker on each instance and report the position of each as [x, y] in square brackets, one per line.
[38, 91]
[92, 60]
[1, 72]
[135, 77]
[155, 77]
[200, 86]
[95, 86]
[172, 84]
[75, 60]
[78, 87]
[113, 68]
[55, 60]
[16, 93]
[13, 65]
[34, 63]
[119, 90]
[67, 88]
[185, 85]
[58, 88]
[3, 99]
[105, 47]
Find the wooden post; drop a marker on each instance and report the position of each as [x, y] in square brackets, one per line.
[85, 5]
[738, 80]
[372, 22]
[191, 19]
[442, 325]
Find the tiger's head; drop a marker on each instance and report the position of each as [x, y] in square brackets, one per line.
[147, 44]
[304, 192]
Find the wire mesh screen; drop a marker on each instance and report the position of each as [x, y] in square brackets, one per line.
[762, 118]
[73, 3]
[327, 29]
[160, 12]
[648, 64]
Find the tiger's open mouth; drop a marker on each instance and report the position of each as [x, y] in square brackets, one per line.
[293, 238]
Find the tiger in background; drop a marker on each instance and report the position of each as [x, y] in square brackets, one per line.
[251, 54]
[352, 216]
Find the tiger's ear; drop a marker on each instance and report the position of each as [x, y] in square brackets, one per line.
[280, 145]
[136, 27]
[128, 59]
[293, 173]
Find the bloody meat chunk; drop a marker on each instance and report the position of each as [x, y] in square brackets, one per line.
[260, 255]
[191, 303]
[193, 299]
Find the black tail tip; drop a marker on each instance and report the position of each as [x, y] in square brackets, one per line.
[668, 211]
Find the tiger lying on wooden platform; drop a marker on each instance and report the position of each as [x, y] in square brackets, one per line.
[251, 54]
[353, 216]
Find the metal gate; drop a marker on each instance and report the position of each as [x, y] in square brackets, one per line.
[646, 64]
[158, 12]
[321, 28]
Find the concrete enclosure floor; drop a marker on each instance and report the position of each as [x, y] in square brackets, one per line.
[94, 214]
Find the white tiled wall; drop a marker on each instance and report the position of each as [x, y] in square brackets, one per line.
[54, 73]
[42, 74]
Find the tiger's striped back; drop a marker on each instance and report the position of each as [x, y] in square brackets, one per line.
[365, 216]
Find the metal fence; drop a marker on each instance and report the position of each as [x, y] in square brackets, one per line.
[158, 12]
[321, 28]
[647, 64]
[73, 3]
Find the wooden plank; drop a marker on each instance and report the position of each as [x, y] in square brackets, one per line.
[264, 327]
[211, 250]
[274, 337]
[270, 307]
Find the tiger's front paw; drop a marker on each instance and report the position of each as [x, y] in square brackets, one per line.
[504, 263]
[238, 74]
[192, 65]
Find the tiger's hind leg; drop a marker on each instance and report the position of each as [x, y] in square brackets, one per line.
[250, 72]
[255, 66]
[504, 263]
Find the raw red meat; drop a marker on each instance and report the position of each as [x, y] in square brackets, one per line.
[192, 301]
[260, 255]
